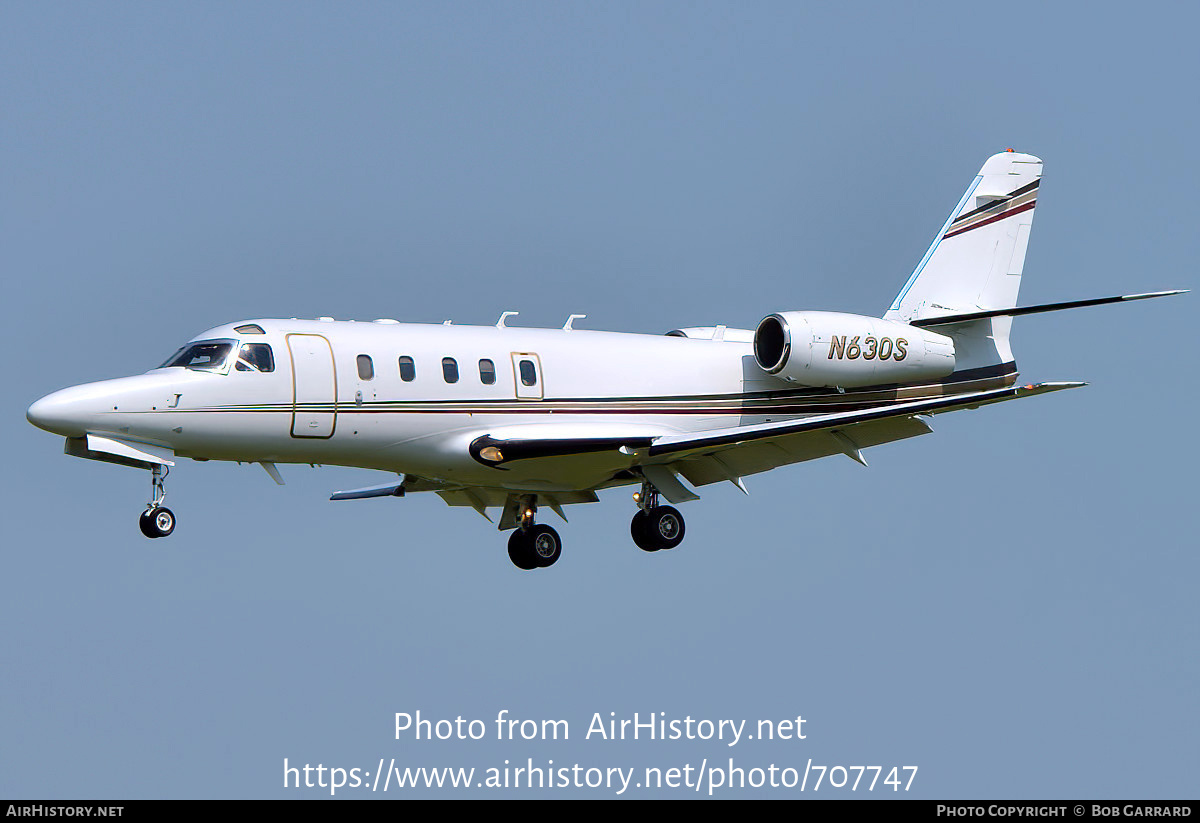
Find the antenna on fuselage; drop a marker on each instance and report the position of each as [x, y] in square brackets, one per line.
[505, 316]
[571, 320]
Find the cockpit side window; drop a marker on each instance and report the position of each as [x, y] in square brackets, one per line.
[206, 355]
[256, 357]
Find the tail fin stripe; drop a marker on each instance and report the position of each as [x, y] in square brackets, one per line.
[995, 218]
[1000, 200]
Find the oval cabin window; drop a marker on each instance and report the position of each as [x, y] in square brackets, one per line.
[408, 371]
[366, 369]
[487, 372]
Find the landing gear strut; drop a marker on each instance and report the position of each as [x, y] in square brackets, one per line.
[157, 520]
[532, 545]
[655, 527]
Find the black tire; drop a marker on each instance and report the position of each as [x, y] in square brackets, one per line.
[665, 527]
[545, 546]
[640, 531]
[147, 525]
[520, 550]
[157, 522]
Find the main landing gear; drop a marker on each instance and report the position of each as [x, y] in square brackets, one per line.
[535, 546]
[531, 545]
[157, 520]
[655, 527]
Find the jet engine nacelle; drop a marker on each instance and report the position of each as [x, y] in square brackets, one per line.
[821, 348]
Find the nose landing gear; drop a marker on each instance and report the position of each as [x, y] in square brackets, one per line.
[157, 520]
[655, 527]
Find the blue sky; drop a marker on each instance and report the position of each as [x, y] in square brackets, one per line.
[1008, 604]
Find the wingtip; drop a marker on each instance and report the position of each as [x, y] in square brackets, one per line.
[1150, 294]
[1041, 388]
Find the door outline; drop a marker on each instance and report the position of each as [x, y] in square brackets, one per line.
[523, 392]
[308, 419]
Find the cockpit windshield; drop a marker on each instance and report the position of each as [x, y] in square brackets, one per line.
[207, 355]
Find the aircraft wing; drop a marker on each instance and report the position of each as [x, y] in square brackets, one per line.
[729, 454]
[683, 444]
[704, 457]
[732, 453]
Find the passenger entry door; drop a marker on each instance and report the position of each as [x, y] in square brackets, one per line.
[314, 386]
[527, 369]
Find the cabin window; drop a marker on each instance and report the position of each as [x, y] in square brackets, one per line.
[450, 369]
[528, 373]
[207, 355]
[408, 370]
[487, 372]
[366, 369]
[256, 357]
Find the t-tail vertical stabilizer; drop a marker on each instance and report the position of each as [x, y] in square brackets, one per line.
[975, 262]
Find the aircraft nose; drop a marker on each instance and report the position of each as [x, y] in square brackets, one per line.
[60, 413]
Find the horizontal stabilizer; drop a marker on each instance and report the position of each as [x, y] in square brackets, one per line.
[947, 319]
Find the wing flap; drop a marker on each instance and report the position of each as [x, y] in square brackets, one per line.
[754, 458]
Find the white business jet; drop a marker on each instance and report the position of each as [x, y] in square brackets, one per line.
[520, 419]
